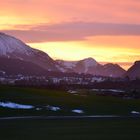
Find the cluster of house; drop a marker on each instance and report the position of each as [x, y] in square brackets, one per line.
[42, 80]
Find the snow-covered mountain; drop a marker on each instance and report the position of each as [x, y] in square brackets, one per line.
[18, 67]
[10, 45]
[16, 56]
[113, 70]
[91, 66]
[134, 71]
[13, 48]
[82, 66]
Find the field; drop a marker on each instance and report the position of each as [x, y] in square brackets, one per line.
[67, 129]
[89, 103]
[70, 130]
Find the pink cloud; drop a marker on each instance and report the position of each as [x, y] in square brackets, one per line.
[71, 31]
[116, 11]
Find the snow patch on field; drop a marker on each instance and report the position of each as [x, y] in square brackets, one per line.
[72, 91]
[110, 90]
[78, 111]
[38, 108]
[135, 112]
[53, 108]
[15, 105]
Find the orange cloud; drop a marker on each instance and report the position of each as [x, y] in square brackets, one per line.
[108, 30]
[114, 11]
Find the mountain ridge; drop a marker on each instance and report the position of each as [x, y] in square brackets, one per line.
[134, 71]
[91, 66]
[12, 48]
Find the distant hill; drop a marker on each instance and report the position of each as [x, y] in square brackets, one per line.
[16, 57]
[134, 71]
[16, 67]
[14, 54]
[91, 66]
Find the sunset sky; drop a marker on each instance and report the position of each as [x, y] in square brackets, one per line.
[107, 30]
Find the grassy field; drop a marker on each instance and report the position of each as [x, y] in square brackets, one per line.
[70, 130]
[91, 104]
[94, 129]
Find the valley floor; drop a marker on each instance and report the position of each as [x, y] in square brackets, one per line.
[26, 102]
[16, 101]
[114, 129]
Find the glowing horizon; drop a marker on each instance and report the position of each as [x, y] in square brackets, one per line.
[108, 31]
[59, 50]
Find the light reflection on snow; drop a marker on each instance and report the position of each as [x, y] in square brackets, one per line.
[15, 105]
[78, 111]
[110, 90]
[53, 108]
[135, 112]
[72, 91]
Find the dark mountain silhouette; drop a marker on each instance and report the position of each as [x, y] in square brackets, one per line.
[13, 48]
[18, 58]
[17, 67]
[91, 66]
[134, 71]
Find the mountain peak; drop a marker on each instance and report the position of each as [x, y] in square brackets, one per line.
[13, 48]
[137, 62]
[89, 62]
[89, 59]
[111, 65]
[134, 71]
[9, 45]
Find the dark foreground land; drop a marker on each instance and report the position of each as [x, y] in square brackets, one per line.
[68, 129]
[90, 103]
[114, 129]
